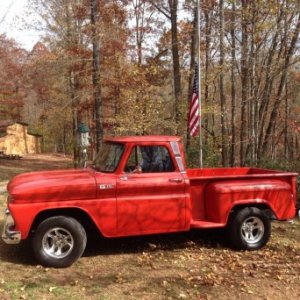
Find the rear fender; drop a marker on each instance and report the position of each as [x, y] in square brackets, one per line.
[223, 196]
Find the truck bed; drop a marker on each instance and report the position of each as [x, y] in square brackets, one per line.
[202, 179]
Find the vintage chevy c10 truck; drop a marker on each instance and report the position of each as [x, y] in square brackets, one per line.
[139, 186]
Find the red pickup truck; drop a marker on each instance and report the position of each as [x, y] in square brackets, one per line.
[139, 186]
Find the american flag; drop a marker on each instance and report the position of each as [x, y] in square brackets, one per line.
[194, 116]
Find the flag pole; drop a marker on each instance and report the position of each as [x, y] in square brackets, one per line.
[199, 88]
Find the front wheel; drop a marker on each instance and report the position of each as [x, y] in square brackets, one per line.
[250, 229]
[59, 241]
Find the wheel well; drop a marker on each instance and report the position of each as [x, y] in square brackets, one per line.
[264, 207]
[82, 217]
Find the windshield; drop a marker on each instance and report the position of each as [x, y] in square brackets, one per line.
[109, 157]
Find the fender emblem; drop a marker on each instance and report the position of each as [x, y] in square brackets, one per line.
[106, 186]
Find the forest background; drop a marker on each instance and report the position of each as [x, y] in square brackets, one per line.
[126, 67]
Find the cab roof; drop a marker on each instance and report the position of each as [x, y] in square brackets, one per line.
[148, 138]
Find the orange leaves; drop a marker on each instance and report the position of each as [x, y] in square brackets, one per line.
[80, 12]
[12, 92]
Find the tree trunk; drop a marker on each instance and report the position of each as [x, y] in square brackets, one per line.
[72, 91]
[207, 65]
[222, 93]
[286, 115]
[233, 89]
[173, 4]
[138, 6]
[96, 74]
[252, 100]
[244, 81]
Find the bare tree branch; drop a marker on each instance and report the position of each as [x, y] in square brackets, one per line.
[161, 9]
[6, 12]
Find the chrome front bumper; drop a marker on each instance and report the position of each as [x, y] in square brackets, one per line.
[10, 236]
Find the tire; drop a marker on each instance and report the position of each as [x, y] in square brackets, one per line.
[250, 229]
[59, 241]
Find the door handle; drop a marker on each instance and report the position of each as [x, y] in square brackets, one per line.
[124, 178]
[176, 180]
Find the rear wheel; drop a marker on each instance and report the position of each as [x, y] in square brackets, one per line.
[59, 241]
[250, 229]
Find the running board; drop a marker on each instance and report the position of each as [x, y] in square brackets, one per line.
[205, 224]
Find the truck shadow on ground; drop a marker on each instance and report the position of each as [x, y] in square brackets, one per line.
[209, 238]
[20, 254]
[97, 245]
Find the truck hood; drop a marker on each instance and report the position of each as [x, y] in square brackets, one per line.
[53, 186]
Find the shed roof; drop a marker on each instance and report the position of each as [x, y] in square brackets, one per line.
[6, 123]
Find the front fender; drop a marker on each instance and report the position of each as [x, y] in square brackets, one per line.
[101, 212]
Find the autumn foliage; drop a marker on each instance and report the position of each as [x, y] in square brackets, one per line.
[131, 62]
[12, 89]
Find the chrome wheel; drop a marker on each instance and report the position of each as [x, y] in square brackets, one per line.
[252, 230]
[58, 242]
[249, 228]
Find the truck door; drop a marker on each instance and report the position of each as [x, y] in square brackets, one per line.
[150, 193]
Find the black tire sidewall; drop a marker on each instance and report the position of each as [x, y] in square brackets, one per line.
[76, 230]
[236, 224]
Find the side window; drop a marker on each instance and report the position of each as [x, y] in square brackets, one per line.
[149, 159]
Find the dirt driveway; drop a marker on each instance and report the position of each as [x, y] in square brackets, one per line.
[195, 265]
[37, 162]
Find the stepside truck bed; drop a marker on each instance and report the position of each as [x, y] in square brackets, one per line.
[216, 191]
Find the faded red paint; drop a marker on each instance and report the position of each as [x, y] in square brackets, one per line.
[123, 204]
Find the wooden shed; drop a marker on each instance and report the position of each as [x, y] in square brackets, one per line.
[15, 139]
